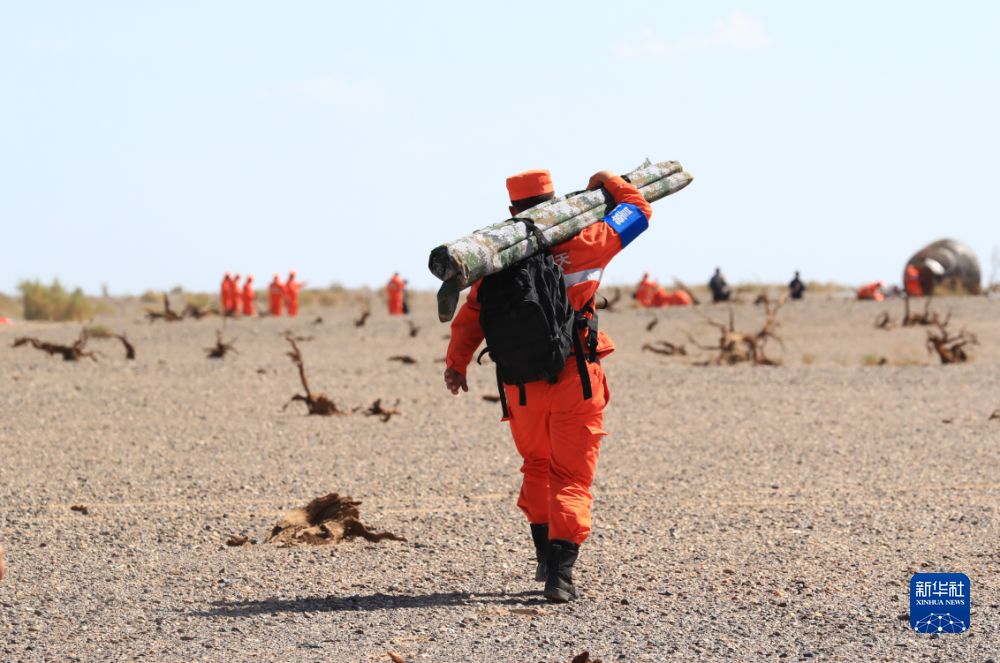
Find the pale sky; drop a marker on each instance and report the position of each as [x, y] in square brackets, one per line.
[148, 146]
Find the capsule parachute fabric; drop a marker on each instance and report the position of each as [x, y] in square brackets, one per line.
[494, 248]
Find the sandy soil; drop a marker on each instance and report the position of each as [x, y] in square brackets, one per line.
[742, 514]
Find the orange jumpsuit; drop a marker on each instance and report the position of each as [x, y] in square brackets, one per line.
[913, 288]
[395, 290]
[871, 291]
[557, 432]
[235, 295]
[248, 297]
[226, 296]
[644, 293]
[675, 298]
[292, 295]
[276, 292]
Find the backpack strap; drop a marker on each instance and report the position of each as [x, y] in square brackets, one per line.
[533, 229]
[581, 366]
[503, 394]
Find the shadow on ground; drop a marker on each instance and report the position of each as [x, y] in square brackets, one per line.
[377, 601]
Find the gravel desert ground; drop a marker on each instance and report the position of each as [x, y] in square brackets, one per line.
[741, 513]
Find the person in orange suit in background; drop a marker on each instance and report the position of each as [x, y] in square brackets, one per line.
[872, 291]
[395, 289]
[646, 290]
[235, 297]
[276, 293]
[292, 294]
[226, 295]
[675, 298]
[248, 297]
[912, 282]
[556, 428]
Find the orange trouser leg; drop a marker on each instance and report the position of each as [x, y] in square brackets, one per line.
[558, 434]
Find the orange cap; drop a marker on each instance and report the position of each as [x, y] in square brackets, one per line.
[529, 184]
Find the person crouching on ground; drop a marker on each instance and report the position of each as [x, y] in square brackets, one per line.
[556, 429]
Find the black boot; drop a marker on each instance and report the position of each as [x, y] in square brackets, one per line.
[559, 587]
[540, 534]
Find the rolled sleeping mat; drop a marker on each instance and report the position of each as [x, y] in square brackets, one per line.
[463, 262]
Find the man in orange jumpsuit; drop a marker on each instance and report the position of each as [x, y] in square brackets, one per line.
[226, 295]
[235, 296]
[248, 297]
[644, 293]
[276, 293]
[912, 282]
[872, 291]
[557, 431]
[676, 298]
[395, 290]
[292, 294]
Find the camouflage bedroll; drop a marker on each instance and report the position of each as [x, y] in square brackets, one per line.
[494, 248]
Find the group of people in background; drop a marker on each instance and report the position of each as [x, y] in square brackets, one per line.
[651, 294]
[237, 300]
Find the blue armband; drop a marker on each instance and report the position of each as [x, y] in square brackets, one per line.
[627, 221]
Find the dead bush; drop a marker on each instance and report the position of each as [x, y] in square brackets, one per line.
[926, 318]
[735, 347]
[318, 404]
[365, 312]
[665, 348]
[414, 330]
[377, 410]
[403, 359]
[221, 348]
[884, 321]
[69, 352]
[167, 314]
[326, 520]
[950, 348]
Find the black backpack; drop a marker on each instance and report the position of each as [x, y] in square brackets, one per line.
[529, 324]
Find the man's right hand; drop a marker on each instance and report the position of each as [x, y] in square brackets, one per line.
[455, 381]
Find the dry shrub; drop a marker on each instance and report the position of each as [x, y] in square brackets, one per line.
[950, 348]
[318, 404]
[69, 352]
[167, 314]
[926, 318]
[326, 520]
[874, 359]
[884, 321]
[652, 323]
[192, 311]
[198, 300]
[54, 302]
[99, 331]
[666, 348]
[403, 359]
[221, 348]
[129, 348]
[414, 330]
[365, 312]
[376, 409]
[735, 347]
